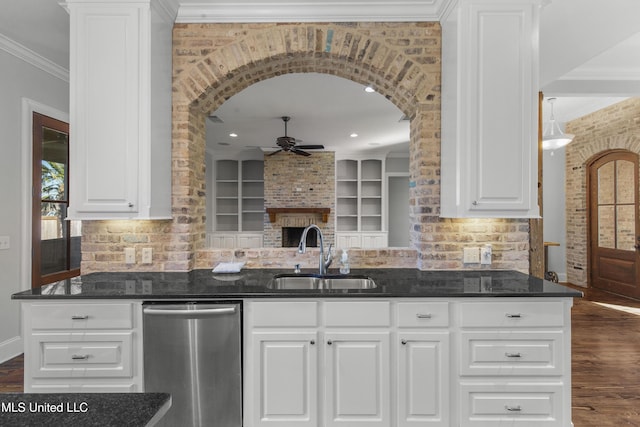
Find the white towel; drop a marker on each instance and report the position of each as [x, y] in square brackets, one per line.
[228, 267]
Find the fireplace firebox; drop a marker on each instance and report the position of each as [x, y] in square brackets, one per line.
[291, 237]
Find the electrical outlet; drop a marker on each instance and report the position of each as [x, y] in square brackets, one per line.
[147, 255]
[129, 255]
[485, 255]
[471, 255]
[5, 242]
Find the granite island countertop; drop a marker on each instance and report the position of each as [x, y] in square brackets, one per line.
[256, 283]
[83, 409]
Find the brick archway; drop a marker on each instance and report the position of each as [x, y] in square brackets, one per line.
[212, 62]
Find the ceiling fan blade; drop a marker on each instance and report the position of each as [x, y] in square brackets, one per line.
[311, 147]
[302, 153]
[275, 152]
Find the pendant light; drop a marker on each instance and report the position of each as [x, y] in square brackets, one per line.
[553, 137]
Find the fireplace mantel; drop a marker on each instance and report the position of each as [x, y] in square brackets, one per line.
[273, 212]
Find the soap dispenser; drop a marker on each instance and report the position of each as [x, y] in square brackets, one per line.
[344, 262]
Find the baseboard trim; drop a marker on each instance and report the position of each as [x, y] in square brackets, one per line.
[11, 348]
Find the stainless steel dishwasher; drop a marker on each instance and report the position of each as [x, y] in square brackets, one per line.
[193, 351]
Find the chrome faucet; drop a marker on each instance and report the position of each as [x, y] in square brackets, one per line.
[325, 261]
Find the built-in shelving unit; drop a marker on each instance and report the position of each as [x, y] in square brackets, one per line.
[239, 203]
[359, 203]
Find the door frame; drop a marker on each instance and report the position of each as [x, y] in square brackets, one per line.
[590, 214]
[29, 107]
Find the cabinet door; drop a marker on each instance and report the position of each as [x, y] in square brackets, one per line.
[489, 146]
[285, 379]
[357, 379]
[348, 240]
[423, 379]
[105, 109]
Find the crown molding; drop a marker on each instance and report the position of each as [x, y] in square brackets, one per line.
[29, 56]
[309, 11]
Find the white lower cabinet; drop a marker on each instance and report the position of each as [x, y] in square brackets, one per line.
[345, 363]
[515, 363]
[423, 379]
[82, 346]
[357, 379]
[284, 378]
[408, 362]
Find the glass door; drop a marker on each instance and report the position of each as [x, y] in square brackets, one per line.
[615, 233]
[55, 240]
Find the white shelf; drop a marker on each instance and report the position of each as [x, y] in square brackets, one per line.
[239, 187]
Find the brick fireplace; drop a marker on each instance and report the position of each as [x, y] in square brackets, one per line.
[299, 191]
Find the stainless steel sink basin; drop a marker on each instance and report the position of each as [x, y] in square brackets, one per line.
[310, 281]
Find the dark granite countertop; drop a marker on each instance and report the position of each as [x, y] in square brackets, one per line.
[83, 409]
[255, 283]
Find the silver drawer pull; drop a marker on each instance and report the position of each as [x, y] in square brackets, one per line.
[404, 342]
[513, 315]
[423, 315]
[78, 317]
[513, 355]
[513, 408]
[80, 356]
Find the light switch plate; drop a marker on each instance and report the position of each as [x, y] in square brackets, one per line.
[471, 255]
[129, 255]
[485, 255]
[147, 256]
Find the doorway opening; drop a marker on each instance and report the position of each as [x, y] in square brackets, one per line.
[614, 226]
[55, 241]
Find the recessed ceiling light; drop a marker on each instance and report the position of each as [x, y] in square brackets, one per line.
[233, 135]
[354, 135]
[369, 89]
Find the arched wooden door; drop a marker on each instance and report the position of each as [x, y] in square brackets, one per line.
[614, 224]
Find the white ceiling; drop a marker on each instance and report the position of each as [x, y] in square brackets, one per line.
[589, 58]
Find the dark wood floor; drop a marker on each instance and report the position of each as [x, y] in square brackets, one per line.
[606, 362]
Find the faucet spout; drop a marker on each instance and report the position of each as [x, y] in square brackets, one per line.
[325, 260]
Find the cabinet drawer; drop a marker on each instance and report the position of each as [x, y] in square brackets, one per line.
[358, 313]
[508, 353]
[98, 387]
[81, 316]
[283, 313]
[512, 314]
[423, 314]
[513, 404]
[80, 354]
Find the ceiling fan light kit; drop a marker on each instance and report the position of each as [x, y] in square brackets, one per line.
[288, 143]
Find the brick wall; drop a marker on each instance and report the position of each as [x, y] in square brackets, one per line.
[615, 127]
[212, 62]
[293, 181]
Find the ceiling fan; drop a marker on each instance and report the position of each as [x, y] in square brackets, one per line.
[288, 143]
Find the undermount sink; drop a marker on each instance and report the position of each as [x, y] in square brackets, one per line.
[311, 281]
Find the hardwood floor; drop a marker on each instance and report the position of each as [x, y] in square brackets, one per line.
[606, 360]
[11, 375]
[605, 363]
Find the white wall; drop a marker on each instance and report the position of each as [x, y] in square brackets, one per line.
[553, 205]
[19, 79]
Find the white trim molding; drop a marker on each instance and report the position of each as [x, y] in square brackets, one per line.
[310, 11]
[29, 56]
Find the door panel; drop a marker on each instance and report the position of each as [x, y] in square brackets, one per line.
[614, 226]
[55, 240]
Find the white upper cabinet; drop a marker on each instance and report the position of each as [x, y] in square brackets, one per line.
[120, 110]
[489, 109]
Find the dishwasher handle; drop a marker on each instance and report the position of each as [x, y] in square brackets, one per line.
[193, 312]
